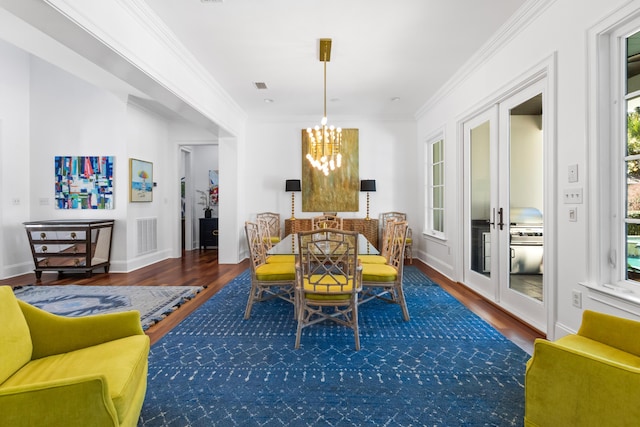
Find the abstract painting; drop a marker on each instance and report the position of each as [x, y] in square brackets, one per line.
[84, 182]
[141, 177]
[338, 192]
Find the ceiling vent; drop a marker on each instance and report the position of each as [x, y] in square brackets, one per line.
[260, 85]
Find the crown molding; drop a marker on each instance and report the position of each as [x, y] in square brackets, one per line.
[524, 16]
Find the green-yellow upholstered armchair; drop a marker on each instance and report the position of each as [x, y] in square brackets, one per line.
[591, 378]
[61, 371]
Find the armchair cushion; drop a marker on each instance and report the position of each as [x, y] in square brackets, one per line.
[372, 259]
[15, 335]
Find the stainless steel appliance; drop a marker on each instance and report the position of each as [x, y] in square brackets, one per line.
[527, 241]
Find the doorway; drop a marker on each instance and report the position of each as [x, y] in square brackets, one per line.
[504, 215]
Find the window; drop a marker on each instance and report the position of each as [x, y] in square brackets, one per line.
[434, 187]
[631, 164]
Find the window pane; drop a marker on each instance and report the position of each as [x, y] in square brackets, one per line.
[633, 251]
[633, 188]
[438, 220]
[633, 126]
[633, 63]
[437, 151]
[437, 197]
[437, 174]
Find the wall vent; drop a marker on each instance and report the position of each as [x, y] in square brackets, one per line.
[147, 235]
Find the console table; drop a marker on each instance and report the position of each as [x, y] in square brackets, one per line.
[70, 245]
[366, 227]
[208, 232]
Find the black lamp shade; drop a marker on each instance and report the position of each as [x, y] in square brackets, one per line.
[292, 185]
[368, 185]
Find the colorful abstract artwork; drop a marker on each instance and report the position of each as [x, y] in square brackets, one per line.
[84, 182]
[213, 191]
[141, 181]
[338, 192]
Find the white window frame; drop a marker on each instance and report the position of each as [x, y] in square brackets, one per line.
[606, 113]
[429, 229]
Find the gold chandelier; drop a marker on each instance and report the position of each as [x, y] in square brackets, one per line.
[325, 142]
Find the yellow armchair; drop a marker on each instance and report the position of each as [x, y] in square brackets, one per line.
[60, 371]
[591, 378]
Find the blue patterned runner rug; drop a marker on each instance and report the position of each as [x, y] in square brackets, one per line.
[153, 302]
[445, 367]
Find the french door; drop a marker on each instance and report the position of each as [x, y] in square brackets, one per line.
[504, 204]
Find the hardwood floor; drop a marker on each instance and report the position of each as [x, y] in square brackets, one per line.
[201, 268]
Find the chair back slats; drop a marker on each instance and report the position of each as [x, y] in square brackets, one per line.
[326, 221]
[272, 220]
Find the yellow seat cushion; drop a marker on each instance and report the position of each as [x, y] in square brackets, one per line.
[335, 284]
[409, 240]
[372, 259]
[281, 258]
[378, 273]
[276, 271]
[122, 362]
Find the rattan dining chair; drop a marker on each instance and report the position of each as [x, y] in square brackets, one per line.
[272, 222]
[328, 280]
[384, 281]
[326, 221]
[398, 216]
[268, 280]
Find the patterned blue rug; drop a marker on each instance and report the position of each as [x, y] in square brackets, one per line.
[445, 367]
[153, 302]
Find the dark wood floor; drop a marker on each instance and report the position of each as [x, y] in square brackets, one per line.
[201, 268]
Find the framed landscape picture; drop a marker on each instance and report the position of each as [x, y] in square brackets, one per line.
[141, 177]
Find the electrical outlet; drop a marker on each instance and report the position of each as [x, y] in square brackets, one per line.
[15, 201]
[576, 298]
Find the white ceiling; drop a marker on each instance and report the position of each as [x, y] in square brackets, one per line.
[381, 49]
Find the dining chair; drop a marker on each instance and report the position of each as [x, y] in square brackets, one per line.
[398, 216]
[384, 281]
[272, 221]
[326, 221]
[384, 245]
[268, 280]
[328, 279]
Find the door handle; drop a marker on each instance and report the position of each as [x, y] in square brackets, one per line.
[501, 223]
[493, 218]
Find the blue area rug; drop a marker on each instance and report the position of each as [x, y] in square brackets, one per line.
[153, 302]
[445, 367]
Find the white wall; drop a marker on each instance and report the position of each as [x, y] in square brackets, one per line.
[15, 169]
[561, 30]
[386, 154]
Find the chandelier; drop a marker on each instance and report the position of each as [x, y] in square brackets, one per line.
[325, 142]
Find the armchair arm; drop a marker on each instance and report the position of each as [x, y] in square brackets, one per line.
[53, 334]
[70, 402]
[564, 386]
[610, 330]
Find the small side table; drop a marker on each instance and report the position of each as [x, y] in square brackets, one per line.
[208, 232]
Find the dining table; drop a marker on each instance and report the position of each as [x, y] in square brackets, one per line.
[289, 246]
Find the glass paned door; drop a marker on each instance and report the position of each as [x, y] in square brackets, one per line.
[522, 199]
[504, 204]
[481, 262]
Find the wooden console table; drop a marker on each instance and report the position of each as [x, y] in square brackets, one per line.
[366, 227]
[70, 245]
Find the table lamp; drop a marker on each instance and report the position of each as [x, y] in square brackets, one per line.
[292, 185]
[368, 185]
